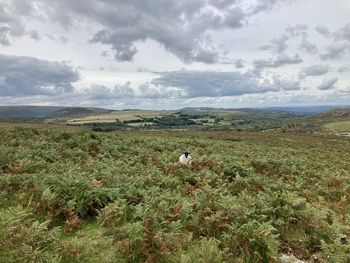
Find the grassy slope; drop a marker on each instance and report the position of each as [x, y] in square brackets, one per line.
[339, 126]
[324, 123]
[122, 197]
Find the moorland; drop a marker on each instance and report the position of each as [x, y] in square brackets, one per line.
[250, 195]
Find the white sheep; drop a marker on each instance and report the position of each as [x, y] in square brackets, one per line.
[186, 158]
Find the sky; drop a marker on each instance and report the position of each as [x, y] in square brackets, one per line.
[169, 54]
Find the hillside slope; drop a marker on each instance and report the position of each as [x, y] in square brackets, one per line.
[336, 121]
[37, 112]
[26, 112]
[333, 115]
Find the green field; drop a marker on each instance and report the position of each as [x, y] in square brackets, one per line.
[118, 115]
[123, 197]
[196, 119]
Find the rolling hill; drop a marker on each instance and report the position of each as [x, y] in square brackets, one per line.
[39, 112]
[26, 112]
[335, 121]
[335, 114]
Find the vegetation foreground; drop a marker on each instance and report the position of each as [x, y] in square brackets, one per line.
[123, 197]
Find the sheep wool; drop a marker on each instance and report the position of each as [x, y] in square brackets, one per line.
[185, 159]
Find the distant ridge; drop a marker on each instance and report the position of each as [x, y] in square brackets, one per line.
[37, 112]
[307, 109]
[40, 112]
[76, 111]
[296, 109]
[334, 115]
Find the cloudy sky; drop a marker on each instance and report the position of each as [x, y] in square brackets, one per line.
[166, 54]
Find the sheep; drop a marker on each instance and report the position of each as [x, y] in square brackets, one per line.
[185, 158]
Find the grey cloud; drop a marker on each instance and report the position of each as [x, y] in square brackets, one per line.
[343, 33]
[266, 47]
[297, 30]
[340, 45]
[50, 37]
[157, 92]
[307, 46]
[323, 30]
[222, 3]
[315, 70]
[280, 43]
[125, 52]
[12, 19]
[335, 51]
[193, 84]
[344, 68]
[344, 91]
[239, 63]
[286, 84]
[279, 61]
[207, 56]
[125, 91]
[233, 18]
[327, 84]
[180, 26]
[104, 53]
[35, 35]
[183, 32]
[277, 45]
[5, 39]
[25, 76]
[300, 30]
[98, 92]
[63, 39]
[263, 5]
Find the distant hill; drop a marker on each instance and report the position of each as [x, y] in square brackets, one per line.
[199, 109]
[335, 121]
[334, 115]
[76, 112]
[306, 109]
[26, 112]
[38, 112]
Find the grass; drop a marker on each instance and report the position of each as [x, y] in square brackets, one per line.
[123, 197]
[338, 127]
